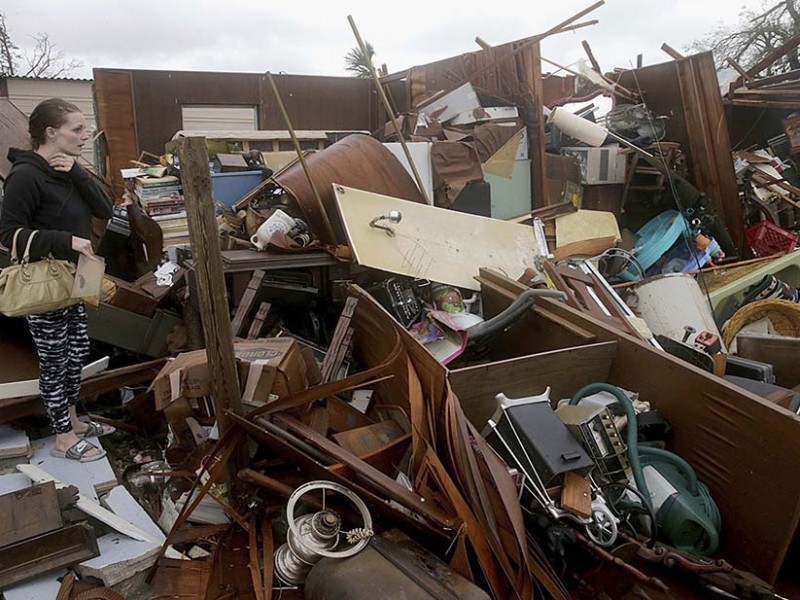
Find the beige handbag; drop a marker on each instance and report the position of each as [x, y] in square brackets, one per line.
[32, 288]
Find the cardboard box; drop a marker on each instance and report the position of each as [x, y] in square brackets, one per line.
[270, 366]
[273, 365]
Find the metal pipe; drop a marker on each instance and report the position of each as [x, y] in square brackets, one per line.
[296, 144]
[388, 106]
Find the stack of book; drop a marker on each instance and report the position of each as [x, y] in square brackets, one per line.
[159, 195]
[161, 199]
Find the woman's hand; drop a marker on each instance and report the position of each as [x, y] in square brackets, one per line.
[62, 162]
[82, 245]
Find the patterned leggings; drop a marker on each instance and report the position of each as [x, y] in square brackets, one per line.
[62, 341]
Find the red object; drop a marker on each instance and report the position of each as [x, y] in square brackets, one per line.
[767, 239]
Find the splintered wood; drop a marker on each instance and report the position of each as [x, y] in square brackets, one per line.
[340, 344]
[247, 302]
[257, 326]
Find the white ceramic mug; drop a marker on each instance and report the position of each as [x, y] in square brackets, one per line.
[278, 221]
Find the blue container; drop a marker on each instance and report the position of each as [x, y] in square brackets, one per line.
[229, 187]
[656, 238]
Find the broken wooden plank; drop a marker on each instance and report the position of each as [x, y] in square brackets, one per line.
[60, 548]
[30, 387]
[739, 69]
[780, 51]
[247, 302]
[576, 495]
[28, 513]
[370, 475]
[671, 51]
[365, 440]
[14, 408]
[90, 507]
[341, 341]
[185, 579]
[257, 326]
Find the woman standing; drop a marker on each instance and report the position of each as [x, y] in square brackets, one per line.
[48, 192]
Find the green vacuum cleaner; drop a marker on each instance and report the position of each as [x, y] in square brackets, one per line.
[686, 516]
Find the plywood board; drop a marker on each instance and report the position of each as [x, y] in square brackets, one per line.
[432, 243]
[586, 225]
[30, 387]
[476, 387]
[29, 512]
[781, 352]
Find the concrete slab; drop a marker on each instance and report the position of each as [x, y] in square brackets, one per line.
[120, 556]
[43, 586]
[13, 482]
[13, 442]
[120, 502]
[90, 478]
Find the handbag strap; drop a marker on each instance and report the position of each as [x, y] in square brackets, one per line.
[14, 255]
[27, 256]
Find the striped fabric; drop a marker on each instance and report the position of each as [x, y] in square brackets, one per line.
[62, 342]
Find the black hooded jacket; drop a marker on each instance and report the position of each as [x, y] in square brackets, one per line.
[58, 205]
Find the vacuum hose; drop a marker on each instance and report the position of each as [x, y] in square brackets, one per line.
[482, 331]
[694, 521]
[633, 434]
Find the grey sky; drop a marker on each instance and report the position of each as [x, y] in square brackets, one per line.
[311, 37]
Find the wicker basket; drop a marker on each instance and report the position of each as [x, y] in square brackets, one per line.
[783, 314]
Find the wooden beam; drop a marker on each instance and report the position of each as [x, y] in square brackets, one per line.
[528, 43]
[739, 69]
[575, 26]
[324, 222]
[671, 51]
[390, 111]
[780, 51]
[590, 54]
[213, 300]
[532, 61]
[482, 43]
[780, 77]
[791, 105]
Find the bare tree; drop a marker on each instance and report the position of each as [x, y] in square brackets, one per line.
[9, 53]
[44, 60]
[357, 63]
[758, 32]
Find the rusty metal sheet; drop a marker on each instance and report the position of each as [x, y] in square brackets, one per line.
[358, 161]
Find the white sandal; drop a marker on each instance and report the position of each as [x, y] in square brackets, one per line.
[78, 452]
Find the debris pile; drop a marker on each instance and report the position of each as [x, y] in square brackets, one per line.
[509, 345]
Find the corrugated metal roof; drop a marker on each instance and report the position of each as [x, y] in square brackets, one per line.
[262, 134]
[29, 77]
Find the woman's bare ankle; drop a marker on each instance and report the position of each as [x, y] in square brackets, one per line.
[64, 441]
